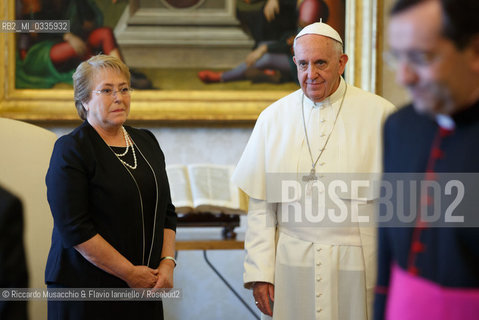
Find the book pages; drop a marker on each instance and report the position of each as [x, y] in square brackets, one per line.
[211, 188]
[180, 188]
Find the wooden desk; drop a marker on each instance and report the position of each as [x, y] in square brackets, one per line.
[209, 245]
[227, 221]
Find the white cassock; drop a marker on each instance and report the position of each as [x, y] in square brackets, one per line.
[318, 272]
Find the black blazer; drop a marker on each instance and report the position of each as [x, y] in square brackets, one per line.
[13, 266]
[90, 192]
[450, 257]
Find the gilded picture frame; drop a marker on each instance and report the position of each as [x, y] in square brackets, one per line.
[363, 33]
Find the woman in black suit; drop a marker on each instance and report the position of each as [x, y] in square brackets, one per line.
[114, 222]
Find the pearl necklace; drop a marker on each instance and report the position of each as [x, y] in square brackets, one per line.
[129, 143]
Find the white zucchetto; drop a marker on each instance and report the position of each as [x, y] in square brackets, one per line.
[321, 29]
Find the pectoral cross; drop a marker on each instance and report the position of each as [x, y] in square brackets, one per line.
[311, 176]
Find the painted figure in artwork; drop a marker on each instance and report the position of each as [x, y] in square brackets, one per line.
[45, 59]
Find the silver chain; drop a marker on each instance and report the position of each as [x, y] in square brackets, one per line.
[313, 163]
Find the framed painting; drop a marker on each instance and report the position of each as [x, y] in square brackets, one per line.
[178, 102]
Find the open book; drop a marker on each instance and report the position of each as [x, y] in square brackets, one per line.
[205, 188]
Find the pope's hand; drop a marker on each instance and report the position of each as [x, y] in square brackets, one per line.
[263, 293]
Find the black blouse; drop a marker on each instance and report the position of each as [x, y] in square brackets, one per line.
[143, 176]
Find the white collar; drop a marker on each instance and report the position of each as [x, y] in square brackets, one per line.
[329, 101]
[445, 121]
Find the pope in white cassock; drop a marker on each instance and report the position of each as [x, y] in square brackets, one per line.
[309, 271]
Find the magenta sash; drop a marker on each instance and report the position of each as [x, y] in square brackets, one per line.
[414, 298]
